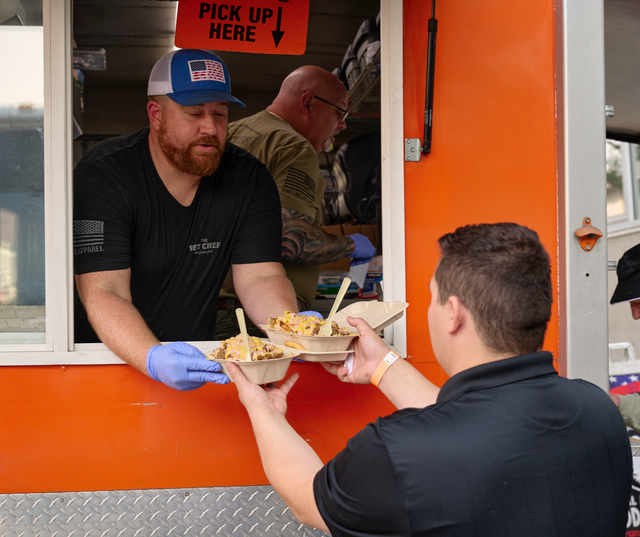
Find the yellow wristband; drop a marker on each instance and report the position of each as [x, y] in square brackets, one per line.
[382, 367]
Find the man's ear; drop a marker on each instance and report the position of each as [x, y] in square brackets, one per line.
[154, 111]
[457, 312]
[305, 102]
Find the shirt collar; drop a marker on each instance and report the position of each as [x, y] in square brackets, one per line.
[498, 373]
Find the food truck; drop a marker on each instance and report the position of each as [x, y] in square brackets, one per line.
[481, 112]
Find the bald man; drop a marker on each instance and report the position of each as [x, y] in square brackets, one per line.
[302, 121]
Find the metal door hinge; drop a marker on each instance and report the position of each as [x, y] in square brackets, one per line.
[412, 149]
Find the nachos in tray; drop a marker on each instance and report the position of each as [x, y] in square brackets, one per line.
[233, 349]
[304, 325]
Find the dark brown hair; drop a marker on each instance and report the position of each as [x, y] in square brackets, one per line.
[501, 272]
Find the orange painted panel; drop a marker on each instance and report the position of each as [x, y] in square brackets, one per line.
[109, 427]
[493, 154]
[105, 427]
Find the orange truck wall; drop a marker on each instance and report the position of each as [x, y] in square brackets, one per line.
[107, 427]
[493, 155]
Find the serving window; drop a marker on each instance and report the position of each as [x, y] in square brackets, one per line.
[78, 105]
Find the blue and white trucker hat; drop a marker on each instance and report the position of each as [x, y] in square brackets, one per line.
[190, 77]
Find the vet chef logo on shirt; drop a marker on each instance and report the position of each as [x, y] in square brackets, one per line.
[204, 247]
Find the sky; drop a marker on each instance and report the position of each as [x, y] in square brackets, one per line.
[21, 66]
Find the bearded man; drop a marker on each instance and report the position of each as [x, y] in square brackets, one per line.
[159, 217]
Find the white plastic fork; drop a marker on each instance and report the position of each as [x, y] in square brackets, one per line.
[243, 331]
[325, 329]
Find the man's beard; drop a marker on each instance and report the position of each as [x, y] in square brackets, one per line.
[183, 157]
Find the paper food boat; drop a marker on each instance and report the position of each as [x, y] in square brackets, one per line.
[378, 315]
[311, 343]
[263, 371]
[330, 356]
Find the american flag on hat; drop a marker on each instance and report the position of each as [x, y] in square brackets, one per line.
[206, 70]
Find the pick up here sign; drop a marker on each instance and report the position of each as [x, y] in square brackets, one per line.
[262, 26]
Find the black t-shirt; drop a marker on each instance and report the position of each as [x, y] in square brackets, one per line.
[124, 217]
[509, 449]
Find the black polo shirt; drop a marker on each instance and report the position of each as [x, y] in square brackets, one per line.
[509, 449]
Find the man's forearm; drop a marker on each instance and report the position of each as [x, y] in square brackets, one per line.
[400, 382]
[406, 387]
[120, 327]
[289, 463]
[306, 243]
[263, 292]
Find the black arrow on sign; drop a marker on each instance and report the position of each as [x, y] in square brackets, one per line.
[277, 34]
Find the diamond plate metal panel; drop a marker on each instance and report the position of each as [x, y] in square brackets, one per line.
[225, 511]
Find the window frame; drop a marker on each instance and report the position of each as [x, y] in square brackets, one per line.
[59, 347]
[629, 221]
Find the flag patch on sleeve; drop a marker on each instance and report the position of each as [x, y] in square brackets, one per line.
[88, 236]
[299, 185]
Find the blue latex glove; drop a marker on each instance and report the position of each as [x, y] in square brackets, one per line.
[182, 367]
[313, 313]
[364, 249]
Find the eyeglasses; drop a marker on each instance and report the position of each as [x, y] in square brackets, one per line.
[344, 112]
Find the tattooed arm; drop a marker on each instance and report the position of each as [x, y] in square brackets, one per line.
[306, 243]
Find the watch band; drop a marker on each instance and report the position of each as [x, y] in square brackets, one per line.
[389, 359]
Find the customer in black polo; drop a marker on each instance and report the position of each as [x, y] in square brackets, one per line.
[506, 447]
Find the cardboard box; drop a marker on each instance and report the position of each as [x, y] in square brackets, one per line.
[329, 284]
[369, 230]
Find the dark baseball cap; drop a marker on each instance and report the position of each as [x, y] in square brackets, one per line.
[628, 271]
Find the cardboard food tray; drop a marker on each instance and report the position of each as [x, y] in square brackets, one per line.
[331, 356]
[311, 343]
[264, 371]
[379, 315]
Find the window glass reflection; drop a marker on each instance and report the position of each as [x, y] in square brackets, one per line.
[615, 197]
[22, 270]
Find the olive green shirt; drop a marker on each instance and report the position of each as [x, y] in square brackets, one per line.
[294, 165]
[630, 410]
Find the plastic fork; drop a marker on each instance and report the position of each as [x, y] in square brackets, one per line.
[325, 329]
[243, 331]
